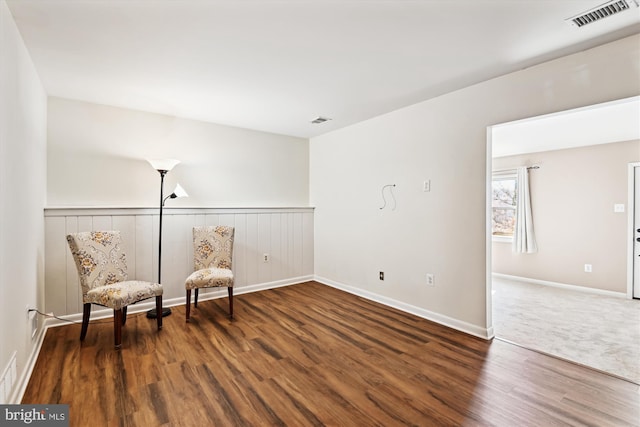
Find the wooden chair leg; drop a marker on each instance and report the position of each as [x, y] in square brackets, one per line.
[195, 303]
[188, 304]
[230, 290]
[159, 311]
[124, 315]
[86, 312]
[117, 327]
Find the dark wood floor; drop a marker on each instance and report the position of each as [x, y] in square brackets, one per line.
[312, 355]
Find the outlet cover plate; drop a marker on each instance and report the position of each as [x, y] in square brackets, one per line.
[431, 280]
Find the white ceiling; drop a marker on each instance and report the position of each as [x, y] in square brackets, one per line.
[274, 65]
[614, 121]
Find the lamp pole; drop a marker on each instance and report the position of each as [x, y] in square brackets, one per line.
[162, 174]
[162, 166]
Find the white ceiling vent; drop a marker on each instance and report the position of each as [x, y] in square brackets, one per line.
[603, 11]
[319, 120]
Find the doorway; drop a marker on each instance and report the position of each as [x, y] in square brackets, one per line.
[544, 291]
[634, 225]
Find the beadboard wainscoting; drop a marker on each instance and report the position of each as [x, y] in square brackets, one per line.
[285, 234]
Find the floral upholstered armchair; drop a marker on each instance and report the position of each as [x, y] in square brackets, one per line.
[102, 268]
[212, 255]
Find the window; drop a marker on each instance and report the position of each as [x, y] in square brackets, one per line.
[503, 205]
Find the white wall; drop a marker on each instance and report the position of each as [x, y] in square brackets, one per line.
[572, 198]
[96, 157]
[444, 139]
[255, 181]
[22, 195]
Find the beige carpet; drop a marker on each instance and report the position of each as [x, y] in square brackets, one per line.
[593, 330]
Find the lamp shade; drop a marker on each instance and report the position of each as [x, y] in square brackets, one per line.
[179, 191]
[163, 164]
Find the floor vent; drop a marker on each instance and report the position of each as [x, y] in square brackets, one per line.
[603, 11]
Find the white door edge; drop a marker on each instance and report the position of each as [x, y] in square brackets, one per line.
[633, 289]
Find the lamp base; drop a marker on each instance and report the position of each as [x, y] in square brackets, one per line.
[152, 314]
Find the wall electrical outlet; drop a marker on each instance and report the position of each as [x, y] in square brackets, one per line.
[426, 185]
[588, 268]
[32, 316]
[266, 258]
[431, 280]
[381, 275]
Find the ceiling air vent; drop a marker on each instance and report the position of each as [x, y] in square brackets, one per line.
[319, 120]
[603, 11]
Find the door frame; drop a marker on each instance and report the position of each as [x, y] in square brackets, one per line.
[631, 204]
[488, 236]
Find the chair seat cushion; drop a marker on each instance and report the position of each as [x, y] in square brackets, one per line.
[122, 294]
[210, 278]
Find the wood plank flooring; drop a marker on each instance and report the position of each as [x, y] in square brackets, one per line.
[311, 355]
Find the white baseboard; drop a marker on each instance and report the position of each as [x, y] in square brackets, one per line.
[137, 308]
[21, 384]
[561, 285]
[450, 322]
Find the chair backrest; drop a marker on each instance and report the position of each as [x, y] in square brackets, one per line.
[212, 247]
[99, 259]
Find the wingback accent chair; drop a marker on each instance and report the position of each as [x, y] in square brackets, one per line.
[212, 255]
[102, 268]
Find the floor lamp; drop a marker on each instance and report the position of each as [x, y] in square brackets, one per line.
[163, 166]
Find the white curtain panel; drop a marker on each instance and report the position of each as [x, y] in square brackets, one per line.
[524, 240]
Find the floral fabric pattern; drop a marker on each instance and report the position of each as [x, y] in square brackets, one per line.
[102, 268]
[105, 239]
[212, 256]
[122, 294]
[213, 247]
[210, 278]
